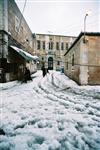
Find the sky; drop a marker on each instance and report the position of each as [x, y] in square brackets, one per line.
[64, 17]
[49, 113]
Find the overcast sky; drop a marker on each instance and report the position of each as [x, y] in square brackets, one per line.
[64, 17]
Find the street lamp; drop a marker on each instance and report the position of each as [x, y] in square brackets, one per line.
[87, 14]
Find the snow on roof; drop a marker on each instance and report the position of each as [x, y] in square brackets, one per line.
[24, 54]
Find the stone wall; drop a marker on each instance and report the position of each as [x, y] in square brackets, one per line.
[18, 28]
[70, 70]
[94, 60]
[86, 68]
[15, 31]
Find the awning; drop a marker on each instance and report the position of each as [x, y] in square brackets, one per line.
[24, 54]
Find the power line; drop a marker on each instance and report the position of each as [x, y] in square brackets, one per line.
[22, 15]
[73, 23]
[74, 26]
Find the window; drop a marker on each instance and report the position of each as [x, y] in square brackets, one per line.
[51, 45]
[43, 44]
[62, 46]
[73, 60]
[57, 45]
[38, 45]
[66, 46]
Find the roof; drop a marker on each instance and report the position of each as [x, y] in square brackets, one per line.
[34, 34]
[24, 54]
[80, 35]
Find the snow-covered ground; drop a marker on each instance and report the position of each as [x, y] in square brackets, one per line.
[50, 113]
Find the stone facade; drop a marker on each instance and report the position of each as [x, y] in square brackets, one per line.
[51, 49]
[18, 28]
[82, 60]
[15, 31]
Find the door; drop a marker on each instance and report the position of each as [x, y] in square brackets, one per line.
[50, 63]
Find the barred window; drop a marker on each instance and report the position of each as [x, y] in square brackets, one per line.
[51, 45]
[57, 45]
[38, 45]
[43, 44]
[62, 46]
[66, 46]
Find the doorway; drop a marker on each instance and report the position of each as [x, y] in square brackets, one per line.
[50, 63]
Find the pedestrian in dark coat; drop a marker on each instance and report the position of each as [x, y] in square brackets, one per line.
[27, 75]
[43, 71]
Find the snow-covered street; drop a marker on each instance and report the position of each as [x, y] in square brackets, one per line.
[50, 113]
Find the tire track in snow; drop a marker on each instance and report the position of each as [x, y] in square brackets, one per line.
[74, 102]
[68, 98]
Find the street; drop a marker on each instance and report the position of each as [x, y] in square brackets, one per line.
[50, 113]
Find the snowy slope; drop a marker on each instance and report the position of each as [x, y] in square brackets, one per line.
[50, 113]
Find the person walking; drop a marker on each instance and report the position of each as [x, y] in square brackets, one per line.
[27, 75]
[43, 70]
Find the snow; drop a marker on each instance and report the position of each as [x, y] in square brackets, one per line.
[50, 113]
[25, 53]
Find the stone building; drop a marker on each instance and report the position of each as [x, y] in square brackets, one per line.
[51, 49]
[82, 59]
[14, 34]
